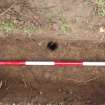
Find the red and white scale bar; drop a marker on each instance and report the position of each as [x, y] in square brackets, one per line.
[52, 63]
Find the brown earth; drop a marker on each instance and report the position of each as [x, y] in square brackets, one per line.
[48, 85]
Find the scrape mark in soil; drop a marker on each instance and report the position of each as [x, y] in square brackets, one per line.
[91, 93]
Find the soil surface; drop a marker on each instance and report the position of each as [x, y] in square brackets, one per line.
[35, 85]
[27, 30]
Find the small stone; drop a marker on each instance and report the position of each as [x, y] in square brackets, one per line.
[47, 75]
[40, 92]
[59, 90]
[14, 104]
[71, 92]
[36, 17]
[1, 83]
[40, 44]
[102, 29]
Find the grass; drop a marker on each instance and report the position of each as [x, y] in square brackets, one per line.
[64, 27]
[58, 16]
[51, 16]
[100, 7]
[30, 29]
[9, 26]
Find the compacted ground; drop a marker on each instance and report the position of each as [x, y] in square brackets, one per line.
[52, 30]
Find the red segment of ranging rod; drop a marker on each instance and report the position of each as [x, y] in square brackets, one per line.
[12, 62]
[61, 63]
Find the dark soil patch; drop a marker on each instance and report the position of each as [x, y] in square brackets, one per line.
[52, 45]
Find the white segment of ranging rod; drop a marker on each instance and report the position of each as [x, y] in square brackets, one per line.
[40, 63]
[93, 63]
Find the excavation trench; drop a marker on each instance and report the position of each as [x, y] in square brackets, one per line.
[62, 84]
